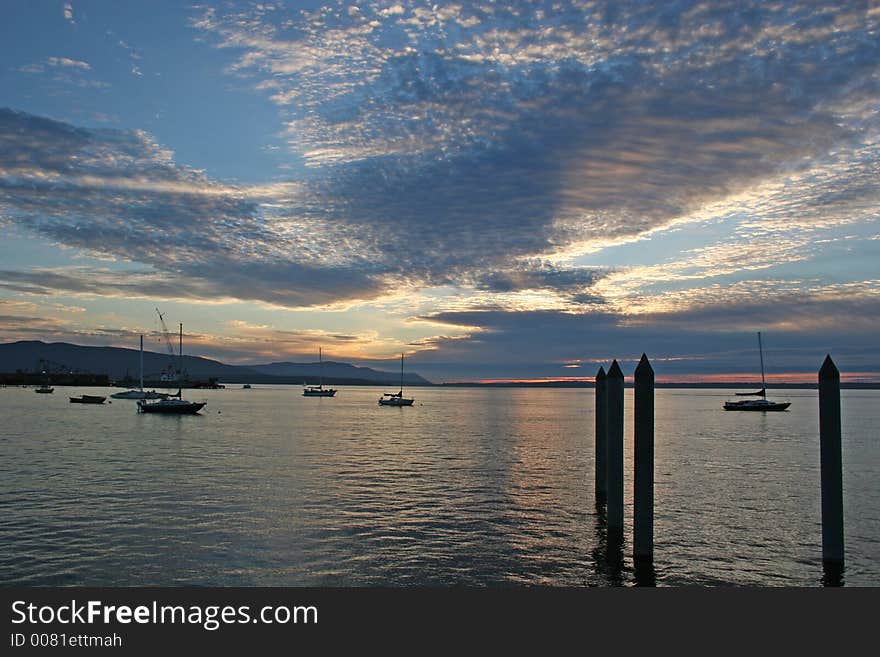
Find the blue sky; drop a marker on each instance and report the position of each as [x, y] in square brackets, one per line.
[500, 189]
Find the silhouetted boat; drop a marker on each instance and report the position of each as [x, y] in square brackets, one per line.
[87, 399]
[762, 404]
[140, 394]
[756, 405]
[319, 390]
[172, 406]
[396, 398]
[246, 386]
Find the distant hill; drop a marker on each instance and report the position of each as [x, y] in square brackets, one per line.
[334, 370]
[115, 362]
[119, 363]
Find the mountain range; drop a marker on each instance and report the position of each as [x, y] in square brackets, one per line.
[119, 363]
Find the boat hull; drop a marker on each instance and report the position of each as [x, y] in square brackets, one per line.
[396, 401]
[87, 399]
[137, 394]
[319, 393]
[189, 408]
[740, 406]
[44, 391]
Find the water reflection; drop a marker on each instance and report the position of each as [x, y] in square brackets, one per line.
[832, 573]
[280, 490]
[645, 573]
[608, 561]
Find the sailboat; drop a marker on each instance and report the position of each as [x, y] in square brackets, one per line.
[396, 398]
[172, 406]
[140, 394]
[762, 404]
[319, 390]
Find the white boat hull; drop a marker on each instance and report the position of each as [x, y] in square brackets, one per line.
[328, 392]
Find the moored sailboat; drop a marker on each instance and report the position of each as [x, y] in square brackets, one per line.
[762, 404]
[172, 406]
[141, 393]
[396, 398]
[319, 390]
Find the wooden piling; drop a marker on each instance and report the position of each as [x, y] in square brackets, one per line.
[643, 457]
[614, 450]
[601, 437]
[831, 464]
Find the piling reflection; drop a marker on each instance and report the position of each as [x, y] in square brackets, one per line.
[645, 573]
[608, 562]
[832, 573]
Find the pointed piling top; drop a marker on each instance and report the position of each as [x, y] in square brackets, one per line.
[829, 371]
[615, 372]
[644, 368]
[600, 375]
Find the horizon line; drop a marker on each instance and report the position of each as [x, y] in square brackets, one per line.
[717, 379]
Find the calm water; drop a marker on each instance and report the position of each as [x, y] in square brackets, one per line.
[469, 486]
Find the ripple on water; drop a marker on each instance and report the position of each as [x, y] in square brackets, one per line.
[476, 487]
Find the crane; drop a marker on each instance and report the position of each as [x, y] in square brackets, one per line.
[168, 344]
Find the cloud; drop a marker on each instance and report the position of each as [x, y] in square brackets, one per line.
[65, 71]
[56, 62]
[543, 343]
[235, 341]
[67, 11]
[69, 63]
[245, 342]
[26, 320]
[485, 151]
[119, 194]
[526, 129]
[430, 78]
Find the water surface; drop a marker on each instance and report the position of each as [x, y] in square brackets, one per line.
[471, 486]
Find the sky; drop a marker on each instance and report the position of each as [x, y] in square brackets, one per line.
[500, 190]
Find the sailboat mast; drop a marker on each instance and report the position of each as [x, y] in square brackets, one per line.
[180, 366]
[142, 363]
[761, 352]
[401, 375]
[320, 369]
